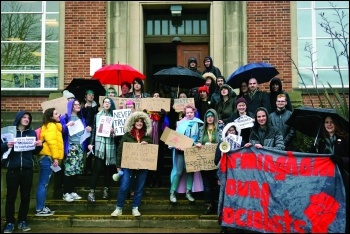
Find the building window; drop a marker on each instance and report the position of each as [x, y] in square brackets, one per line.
[315, 51]
[29, 45]
[159, 23]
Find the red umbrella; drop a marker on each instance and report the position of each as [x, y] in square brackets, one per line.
[116, 74]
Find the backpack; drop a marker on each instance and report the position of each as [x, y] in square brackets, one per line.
[38, 132]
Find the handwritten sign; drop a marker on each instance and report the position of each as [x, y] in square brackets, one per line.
[200, 159]
[175, 139]
[60, 104]
[244, 122]
[119, 118]
[139, 156]
[24, 144]
[180, 103]
[120, 102]
[155, 104]
[104, 126]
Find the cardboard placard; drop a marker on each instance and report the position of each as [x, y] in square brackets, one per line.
[139, 156]
[200, 159]
[180, 103]
[60, 104]
[120, 102]
[119, 118]
[175, 139]
[155, 104]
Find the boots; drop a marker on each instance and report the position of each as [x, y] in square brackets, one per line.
[189, 196]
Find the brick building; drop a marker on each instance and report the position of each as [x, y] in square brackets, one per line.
[142, 34]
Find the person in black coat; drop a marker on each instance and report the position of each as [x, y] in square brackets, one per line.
[335, 141]
[275, 89]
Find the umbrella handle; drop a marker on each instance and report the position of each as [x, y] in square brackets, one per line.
[318, 132]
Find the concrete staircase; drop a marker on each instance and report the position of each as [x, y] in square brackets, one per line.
[156, 209]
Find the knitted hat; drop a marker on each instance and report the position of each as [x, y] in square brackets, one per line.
[203, 88]
[68, 94]
[89, 91]
[209, 113]
[241, 99]
[129, 102]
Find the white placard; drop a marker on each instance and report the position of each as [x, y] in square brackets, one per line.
[244, 122]
[77, 127]
[24, 144]
[95, 64]
[119, 118]
[104, 126]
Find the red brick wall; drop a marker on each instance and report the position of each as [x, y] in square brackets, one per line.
[268, 35]
[85, 37]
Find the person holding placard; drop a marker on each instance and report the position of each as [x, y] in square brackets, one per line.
[189, 126]
[50, 155]
[19, 173]
[241, 111]
[209, 133]
[104, 149]
[74, 126]
[137, 129]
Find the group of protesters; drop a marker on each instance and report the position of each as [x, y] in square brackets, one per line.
[216, 106]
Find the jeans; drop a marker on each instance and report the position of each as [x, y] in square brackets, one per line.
[23, 179]
[180, 168]
[125, 180]
[44, 179]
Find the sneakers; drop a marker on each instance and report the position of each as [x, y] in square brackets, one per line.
[45, 212]
[105, 193]
[68, 197]
[172, 197]
[9, 228]
[117, 212]
[75, 196]
[189, 196]
[23, 226]
[91, 196]
[135, 212]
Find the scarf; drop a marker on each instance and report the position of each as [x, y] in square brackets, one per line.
[137, 134]
[330, 141]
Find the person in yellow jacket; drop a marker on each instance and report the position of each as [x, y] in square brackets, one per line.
[52, 152]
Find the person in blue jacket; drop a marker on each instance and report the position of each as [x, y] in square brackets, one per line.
[19, 173]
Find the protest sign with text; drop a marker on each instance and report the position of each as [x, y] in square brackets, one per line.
[274, 191]
[119, 118]
[120, 102]
[175, 139]
[200, 159]
[104, 126]
[155, 104]
[139, 156]
[24, 144]
[180, 103]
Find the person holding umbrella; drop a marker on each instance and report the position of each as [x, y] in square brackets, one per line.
[125, 87]
[263, 134]
[335, 140]
[257, 98]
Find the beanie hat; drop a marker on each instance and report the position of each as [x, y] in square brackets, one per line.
[68, 94]
[203, 88]
[129, 102]
[241, 99]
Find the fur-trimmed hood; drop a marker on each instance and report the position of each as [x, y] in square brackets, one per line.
[135, 116]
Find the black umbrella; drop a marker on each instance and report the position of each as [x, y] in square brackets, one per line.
[179, 77]
[262, 72]
[78, 87]
[309, 120]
